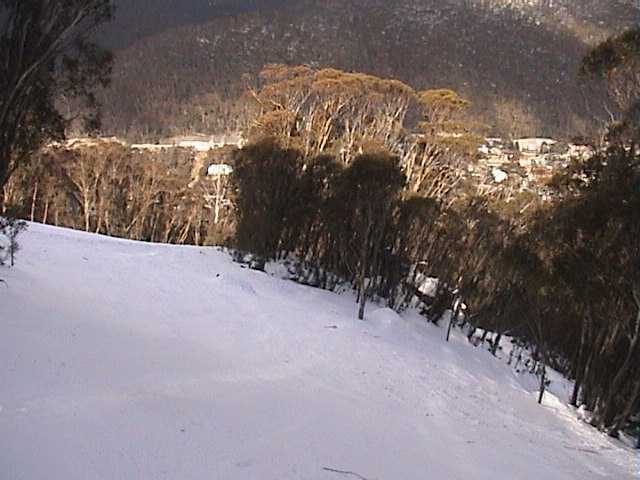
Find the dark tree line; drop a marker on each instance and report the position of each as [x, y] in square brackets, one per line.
[567, 278]
[335, 217]
[562, 275]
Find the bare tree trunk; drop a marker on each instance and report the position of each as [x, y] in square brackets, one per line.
[616, 384]
[626, 412]
[45, 215]
[496, 344]
[575, 393]
[364, 266]
[454, 317]
[87, 212]
[34, 199]
[218, 200]
[363, 283]
[363, 298]
[543, 378]
[579, 369]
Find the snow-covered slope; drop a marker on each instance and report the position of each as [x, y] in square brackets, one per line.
[122, 360]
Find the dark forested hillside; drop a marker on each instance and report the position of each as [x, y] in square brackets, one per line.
[516, 60]
[136, 19]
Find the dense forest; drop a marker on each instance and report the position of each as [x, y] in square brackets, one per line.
[134, 20]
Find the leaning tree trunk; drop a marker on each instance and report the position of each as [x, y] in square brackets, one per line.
[543, 376]
[618, 380]
[579, 369]
[627, 411]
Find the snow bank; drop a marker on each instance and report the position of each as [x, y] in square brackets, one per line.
[121, 360]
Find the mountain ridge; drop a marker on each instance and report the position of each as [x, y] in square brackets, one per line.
[509, 60]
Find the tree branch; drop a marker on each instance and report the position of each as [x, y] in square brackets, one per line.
[345, 472]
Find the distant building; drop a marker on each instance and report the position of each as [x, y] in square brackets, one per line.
[152, 147]
[495, 142]
[219, 169]
[205, 143]
[581, 152]
[534, 145]
[201, 144]
[498, 175]
[526, 163]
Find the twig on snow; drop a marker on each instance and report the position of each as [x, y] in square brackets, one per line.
[345, 472]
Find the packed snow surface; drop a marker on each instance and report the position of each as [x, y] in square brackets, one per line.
[123, 360]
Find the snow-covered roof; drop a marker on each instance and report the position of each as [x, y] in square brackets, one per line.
[219, 169]
[499, 175]
[533, 144]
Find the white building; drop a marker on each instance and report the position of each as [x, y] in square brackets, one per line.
[219, 169]
[499, 175]
[534, 145]
[152, 147]
[206, 143]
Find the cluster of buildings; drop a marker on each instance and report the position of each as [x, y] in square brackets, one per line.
[521, 164]
[525, 163]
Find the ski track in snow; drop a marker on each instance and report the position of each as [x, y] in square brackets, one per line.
[123, 360]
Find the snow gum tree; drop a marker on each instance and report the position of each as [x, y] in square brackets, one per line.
[46, 55]
[268, 188]
[366, 195]
[444, 143]
[331, 111]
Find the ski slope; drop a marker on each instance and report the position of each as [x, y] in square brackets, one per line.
[123, 360]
